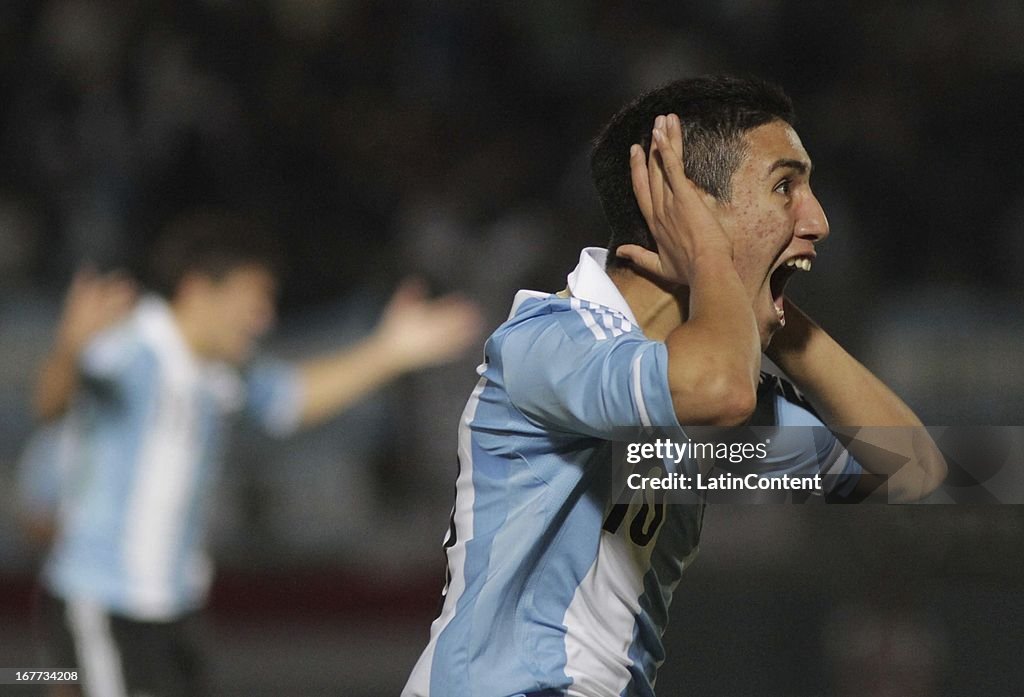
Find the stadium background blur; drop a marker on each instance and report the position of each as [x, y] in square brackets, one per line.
[450, 139]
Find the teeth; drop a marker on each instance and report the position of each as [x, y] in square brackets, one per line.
[802, 263]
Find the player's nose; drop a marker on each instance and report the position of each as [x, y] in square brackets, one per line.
[811, 223]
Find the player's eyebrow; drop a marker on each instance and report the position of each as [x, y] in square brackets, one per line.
[799, 165]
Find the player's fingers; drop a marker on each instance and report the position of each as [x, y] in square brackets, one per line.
[655, 176]
[641, 258]
[641, 185]
[672, 164]
[675, 136]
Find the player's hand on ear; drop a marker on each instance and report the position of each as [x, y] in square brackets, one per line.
[417, 331]
[683, 225]
[93, 302]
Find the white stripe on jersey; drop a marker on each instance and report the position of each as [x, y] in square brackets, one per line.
[638, 389]
[609, 323]
[165, 472]
[419, 681]
[102, 674]
[598, 637]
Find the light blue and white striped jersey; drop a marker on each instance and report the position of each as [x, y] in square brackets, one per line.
[132, 464]
[544, 596]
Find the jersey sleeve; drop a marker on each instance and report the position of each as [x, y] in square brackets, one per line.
[273, 396]
[587, 371]
[803, 446]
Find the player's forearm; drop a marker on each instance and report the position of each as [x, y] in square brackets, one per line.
[332, 383]
[57, 383]
[714, 356]
[93, 303]
[842, 390]
[888, 438]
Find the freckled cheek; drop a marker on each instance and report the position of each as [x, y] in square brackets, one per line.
[758, 242]
[759, 229]
[769, 225]
[753, 218]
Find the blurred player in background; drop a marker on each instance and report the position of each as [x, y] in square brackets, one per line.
[553, 587]
[138, 392]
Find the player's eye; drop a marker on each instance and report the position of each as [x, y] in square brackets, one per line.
[784, 187]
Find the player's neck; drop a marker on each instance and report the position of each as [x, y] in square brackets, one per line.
[658, 308]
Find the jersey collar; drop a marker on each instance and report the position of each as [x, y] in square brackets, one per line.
[589, 281]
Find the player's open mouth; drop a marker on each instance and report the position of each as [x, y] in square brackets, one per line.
[780, 277]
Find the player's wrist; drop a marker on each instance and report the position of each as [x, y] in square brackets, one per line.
[801, 348]
[68, 345]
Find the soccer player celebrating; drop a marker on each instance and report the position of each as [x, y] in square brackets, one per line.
[142, 391]
[552, 588]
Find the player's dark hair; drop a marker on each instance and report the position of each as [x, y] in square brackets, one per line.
[212, 243]
[715, 113]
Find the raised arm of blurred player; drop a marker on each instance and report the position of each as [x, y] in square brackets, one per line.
[414, 333]
[714, 357]
[93, 302]
[891, 441]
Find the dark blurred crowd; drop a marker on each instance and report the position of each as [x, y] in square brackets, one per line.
[372, 131]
